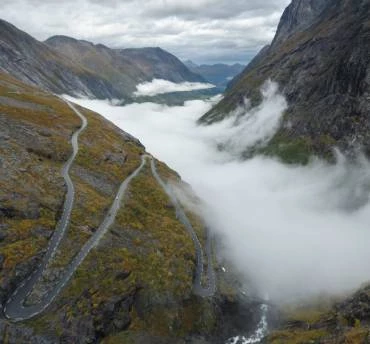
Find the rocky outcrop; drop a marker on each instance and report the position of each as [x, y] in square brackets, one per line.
[320, 59]
[326, 321]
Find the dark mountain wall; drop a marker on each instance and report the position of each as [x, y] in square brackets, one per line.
[297, 17]
[322, 66]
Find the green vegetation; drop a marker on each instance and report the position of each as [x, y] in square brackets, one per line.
[147, 255]
[297, 337]
[357, 335]
[105, 158]
[290, 151]
[40, 126]
[297, 150]
[147, 242]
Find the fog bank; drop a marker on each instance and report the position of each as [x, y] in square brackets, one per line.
[160, 86]
[292, 230]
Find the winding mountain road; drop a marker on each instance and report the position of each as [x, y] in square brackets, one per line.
[199, 289]
[15, 308]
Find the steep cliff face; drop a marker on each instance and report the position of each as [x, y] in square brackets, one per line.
[322, 64]
[297, 17]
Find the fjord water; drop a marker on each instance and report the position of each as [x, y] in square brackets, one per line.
[292, 230]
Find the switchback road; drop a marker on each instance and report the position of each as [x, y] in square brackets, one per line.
[15, 308]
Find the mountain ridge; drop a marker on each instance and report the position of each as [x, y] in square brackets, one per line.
[65, 65]
[34, 63]
[143, 63]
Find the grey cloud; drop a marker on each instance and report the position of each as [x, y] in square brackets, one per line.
[201, 30]
[209, 8]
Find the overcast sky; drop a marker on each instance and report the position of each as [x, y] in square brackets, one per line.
[201, 30]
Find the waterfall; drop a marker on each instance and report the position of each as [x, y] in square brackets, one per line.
[258, 335]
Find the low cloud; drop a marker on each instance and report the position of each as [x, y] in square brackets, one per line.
[247, 127]
[160, 86]
[292, 230]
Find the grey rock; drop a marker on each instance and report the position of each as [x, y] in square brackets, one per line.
[297, 17]
[2, 259]
[41, 232]
[79, 331]
[21, 104]
[18, 334]
[123, 275]
[25, 268]
[3, 232]
[115, 157]
[114, 316]
[3, 235]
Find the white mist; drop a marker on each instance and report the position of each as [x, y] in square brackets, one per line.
[292, 230]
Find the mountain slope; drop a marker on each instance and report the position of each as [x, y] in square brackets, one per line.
[136, 284]
[218, 74]
[36, 64]
[123, 68]
[65, 65]
[322, 65]
[99, 59]
[159, 64]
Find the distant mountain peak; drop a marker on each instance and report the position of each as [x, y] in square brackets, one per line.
[218, 74]
[61, 39]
